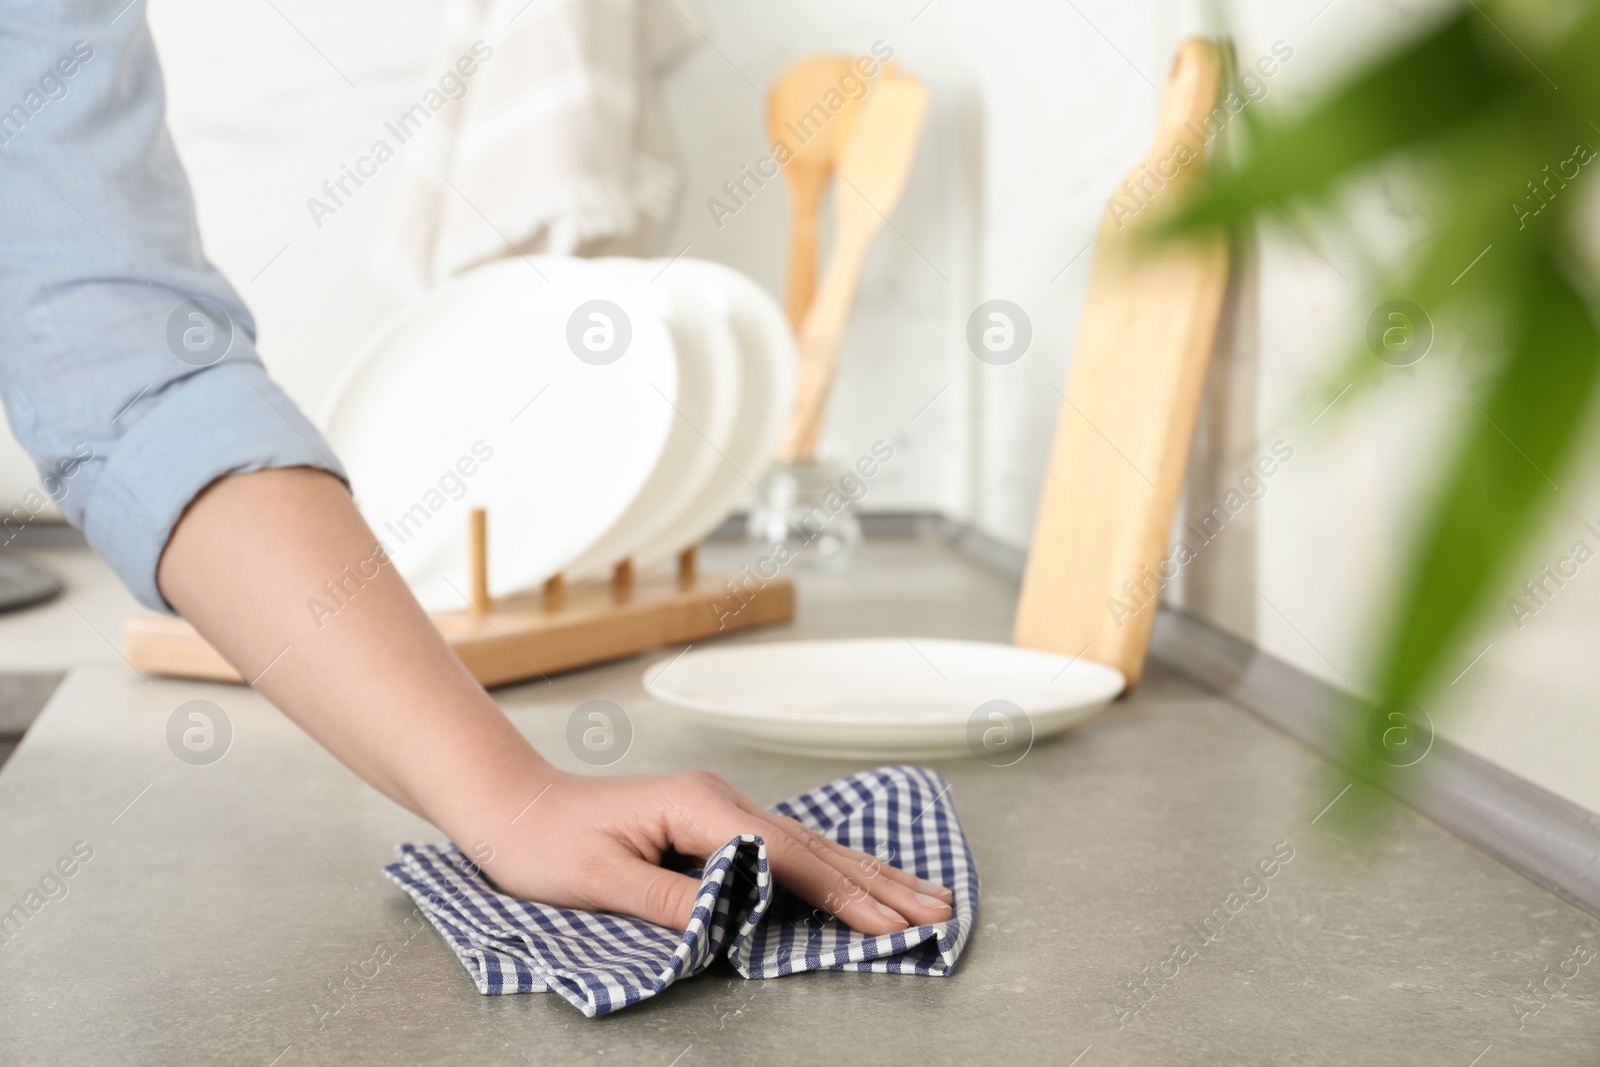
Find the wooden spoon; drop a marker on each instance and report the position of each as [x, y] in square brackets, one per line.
[815, 139]
[872, 172]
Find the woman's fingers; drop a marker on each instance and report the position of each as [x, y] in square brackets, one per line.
[820, 884]
[655, 894]
[917, 900]
[705, 812]
[906, 899]
[893, 873]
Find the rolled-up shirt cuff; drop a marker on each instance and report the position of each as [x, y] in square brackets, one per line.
[227, 419]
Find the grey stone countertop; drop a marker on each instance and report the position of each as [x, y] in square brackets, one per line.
[219, 904]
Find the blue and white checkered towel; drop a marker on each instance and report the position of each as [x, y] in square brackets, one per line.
[603, 962]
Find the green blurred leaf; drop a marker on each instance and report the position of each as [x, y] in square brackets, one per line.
[1494, 106]
[1418, 93]
[1517, 443]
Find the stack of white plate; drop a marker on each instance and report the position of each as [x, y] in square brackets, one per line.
[599, 410]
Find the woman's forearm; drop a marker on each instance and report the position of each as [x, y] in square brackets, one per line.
[373, 682]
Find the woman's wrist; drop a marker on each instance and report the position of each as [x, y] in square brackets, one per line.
[485, 790]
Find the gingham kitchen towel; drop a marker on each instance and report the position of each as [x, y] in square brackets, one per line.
[603, 962]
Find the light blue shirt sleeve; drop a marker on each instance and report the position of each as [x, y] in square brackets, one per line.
[127, 362]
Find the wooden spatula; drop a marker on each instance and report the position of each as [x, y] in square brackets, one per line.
[816, 138]
[872, 173]
[1122, 444]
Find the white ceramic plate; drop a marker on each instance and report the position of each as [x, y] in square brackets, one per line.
[473, 396]
[888, 698]
[704, 413]
[768, 360]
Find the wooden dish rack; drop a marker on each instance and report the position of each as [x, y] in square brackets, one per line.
[564, 626]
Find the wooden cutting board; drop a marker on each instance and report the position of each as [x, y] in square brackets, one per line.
[1122, 443]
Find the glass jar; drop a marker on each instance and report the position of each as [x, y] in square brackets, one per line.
[811, 509]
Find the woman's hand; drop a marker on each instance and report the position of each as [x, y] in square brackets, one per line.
[596, 843]
[380, 689]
